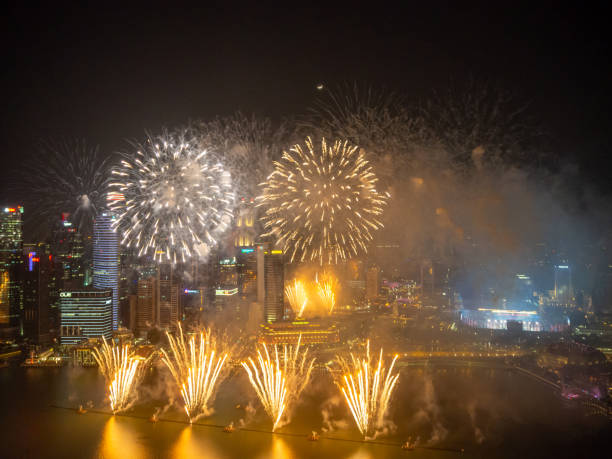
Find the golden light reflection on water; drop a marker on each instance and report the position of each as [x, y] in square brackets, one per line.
[279, 450]
[119, 441]
[190, 445]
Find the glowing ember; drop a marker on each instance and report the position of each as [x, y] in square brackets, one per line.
[119, 367]
[367, 389]
[279, 380]
[196, 366]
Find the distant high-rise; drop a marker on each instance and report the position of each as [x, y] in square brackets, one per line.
[245, 230]
[11, 266]
[37, 281]
[564, 293]
[106, 260]
[274, 279]
[67, 247]
[85, 313]
[146, 304]
[372, 282]
[167, 297]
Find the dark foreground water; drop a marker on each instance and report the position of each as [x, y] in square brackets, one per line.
[486, 412]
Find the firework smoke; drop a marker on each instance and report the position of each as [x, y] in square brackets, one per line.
[367, 389]
[322, 205]
[171, 197]
[119, 366]
[196, 365]
[279, 379]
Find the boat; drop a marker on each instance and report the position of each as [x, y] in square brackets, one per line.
[229, 428]
[313, 436]
[153, 418]
[81, 410]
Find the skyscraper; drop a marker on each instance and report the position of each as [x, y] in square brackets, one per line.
[372, 282]
[146, 304]
[274, 279]
[68, 250]
[85, 313]
[106, 260]
[11, 265]
[167, 297]
[564, 292]
[37, 280]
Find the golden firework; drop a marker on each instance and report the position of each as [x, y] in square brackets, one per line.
[119, 366]
[297, 296]
[322, 204]
[196, 366]
[326, 290]
[279, 379]
[367, 389]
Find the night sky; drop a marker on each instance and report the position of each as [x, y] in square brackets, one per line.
[107, 74]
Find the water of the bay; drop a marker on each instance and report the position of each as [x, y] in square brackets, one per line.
[486, 412]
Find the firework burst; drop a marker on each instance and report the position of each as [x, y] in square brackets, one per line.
[367, 388]
[280, 378]
[171, 197]
[119, 366]
[196, 365]
[322, 205]
[297, 296]
[65, 177]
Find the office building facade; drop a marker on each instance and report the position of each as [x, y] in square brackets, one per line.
[106, 260]
[84, 314]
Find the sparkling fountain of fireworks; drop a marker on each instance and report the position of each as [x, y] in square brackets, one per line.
[322, 204]
[326, 290]
[119, 366]
[297, 296]
[172, 198]
[367, 388]
[196, 365]
[279, 378]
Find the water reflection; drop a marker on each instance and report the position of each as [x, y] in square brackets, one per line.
[279, 450]
[191, 445]
[120, 441]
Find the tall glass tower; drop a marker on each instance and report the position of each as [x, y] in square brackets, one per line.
[106, 260]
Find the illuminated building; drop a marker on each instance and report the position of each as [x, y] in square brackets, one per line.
[290, 332]
[84, 314]
[247, 272]
[146, 304]
[504, 319]
[226, 289]
[68, 251]
[274, 284]
[245, 231]
[372, 282]
[167, 297]
[106, 260]
[11, 266]
[564, 294]
[37, 280]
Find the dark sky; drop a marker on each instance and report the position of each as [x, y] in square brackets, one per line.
[109, 73]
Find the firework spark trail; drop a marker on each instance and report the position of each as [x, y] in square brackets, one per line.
[119, 367]
[326, 289]
[322, 205]
[297, 296]
[172, 199]
[367, 389]
[279, 379]
[196, 366]
[69, 176]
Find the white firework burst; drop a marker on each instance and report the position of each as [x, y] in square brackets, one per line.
[172, 198]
